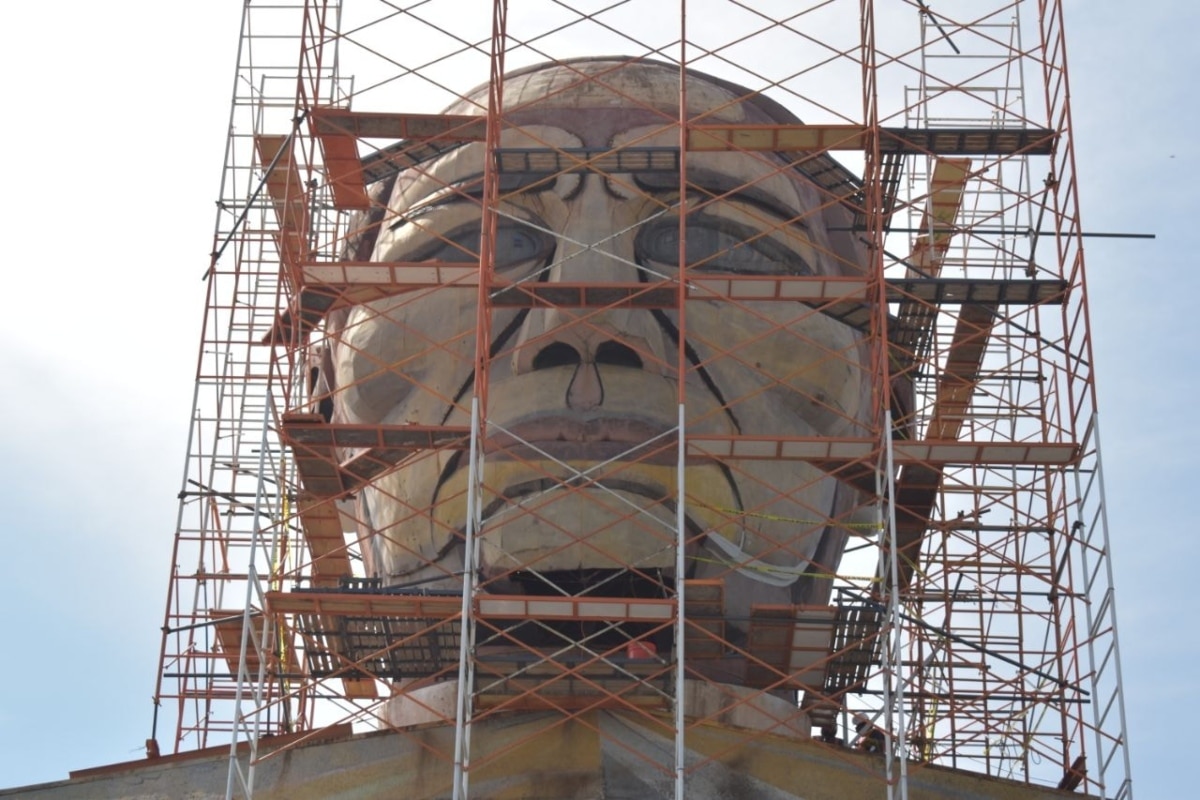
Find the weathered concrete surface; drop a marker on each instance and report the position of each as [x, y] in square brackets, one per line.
[600, 755]
[720, 704]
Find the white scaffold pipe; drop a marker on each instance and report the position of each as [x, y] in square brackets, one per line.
[461, 745]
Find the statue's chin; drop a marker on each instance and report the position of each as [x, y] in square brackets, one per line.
[561, 529]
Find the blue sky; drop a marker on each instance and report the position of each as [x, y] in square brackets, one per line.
[114, 138]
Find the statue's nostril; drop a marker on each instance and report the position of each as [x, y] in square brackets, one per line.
[556, 354]
[616, 354]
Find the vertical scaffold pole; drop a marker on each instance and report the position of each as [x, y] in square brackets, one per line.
[466, 631]
[1108, 607]
[681, 444]
[235, 773]
[896, 673]
[680, 622]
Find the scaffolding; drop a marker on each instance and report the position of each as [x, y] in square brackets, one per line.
[378, 527]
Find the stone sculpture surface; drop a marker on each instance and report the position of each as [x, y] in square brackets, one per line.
[593, 392]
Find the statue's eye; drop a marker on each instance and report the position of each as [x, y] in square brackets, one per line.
[461, 246]
[514, 245]
[714, 245]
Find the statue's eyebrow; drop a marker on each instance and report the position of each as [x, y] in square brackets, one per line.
[716, 186]
[469, 188]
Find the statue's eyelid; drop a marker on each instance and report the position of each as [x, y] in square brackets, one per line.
[436, 242]
[426, 208]
[738, 232]
[433, 241]
[440, 200]
[788, 232]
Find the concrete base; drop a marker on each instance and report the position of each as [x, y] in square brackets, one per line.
[600, 755]
[722, 704]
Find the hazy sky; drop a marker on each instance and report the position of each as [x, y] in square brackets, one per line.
[113, 142]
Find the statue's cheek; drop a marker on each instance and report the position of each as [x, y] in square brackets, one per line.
[798, 373]
[400, 362]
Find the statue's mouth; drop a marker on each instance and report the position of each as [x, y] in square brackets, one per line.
[542, 486]
[582, 505]
[563, 491]
[645, 541]
[623, 521]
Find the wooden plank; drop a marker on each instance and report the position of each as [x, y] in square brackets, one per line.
[227, 625]
[701, 138]
[318, 446]
[704, 610]
[327, 286]
[769, 639]
[322, 527]
[911, 141]
[361, 604]
[286, 193]
[339, 130]
[946, 187]
[330, 121]
[344, 171]
[836, 452]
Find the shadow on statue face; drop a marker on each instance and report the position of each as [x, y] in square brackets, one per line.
[579, 471]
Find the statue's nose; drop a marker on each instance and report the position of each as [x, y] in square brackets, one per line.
[612, 337]
[591, 248]
[559, 353]
[586, 389]
[558, 337]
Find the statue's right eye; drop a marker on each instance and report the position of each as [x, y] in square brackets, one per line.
[514, 245]
[460, 247]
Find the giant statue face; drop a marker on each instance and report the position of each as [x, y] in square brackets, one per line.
[579, 466]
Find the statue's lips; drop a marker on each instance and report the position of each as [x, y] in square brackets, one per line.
[572, 440]
[542, 463]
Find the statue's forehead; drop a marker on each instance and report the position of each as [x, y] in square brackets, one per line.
[619, 86]
[603, 104]
[643, 90]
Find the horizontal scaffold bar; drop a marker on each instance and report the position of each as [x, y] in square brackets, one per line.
[328, 121]
[907, 141]
[419, 137]
[449, 606]
[844, 451]
[332, 285]
[306, 431]
[371, 280]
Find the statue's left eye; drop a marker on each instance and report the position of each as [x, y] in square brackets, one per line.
[716, 246]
